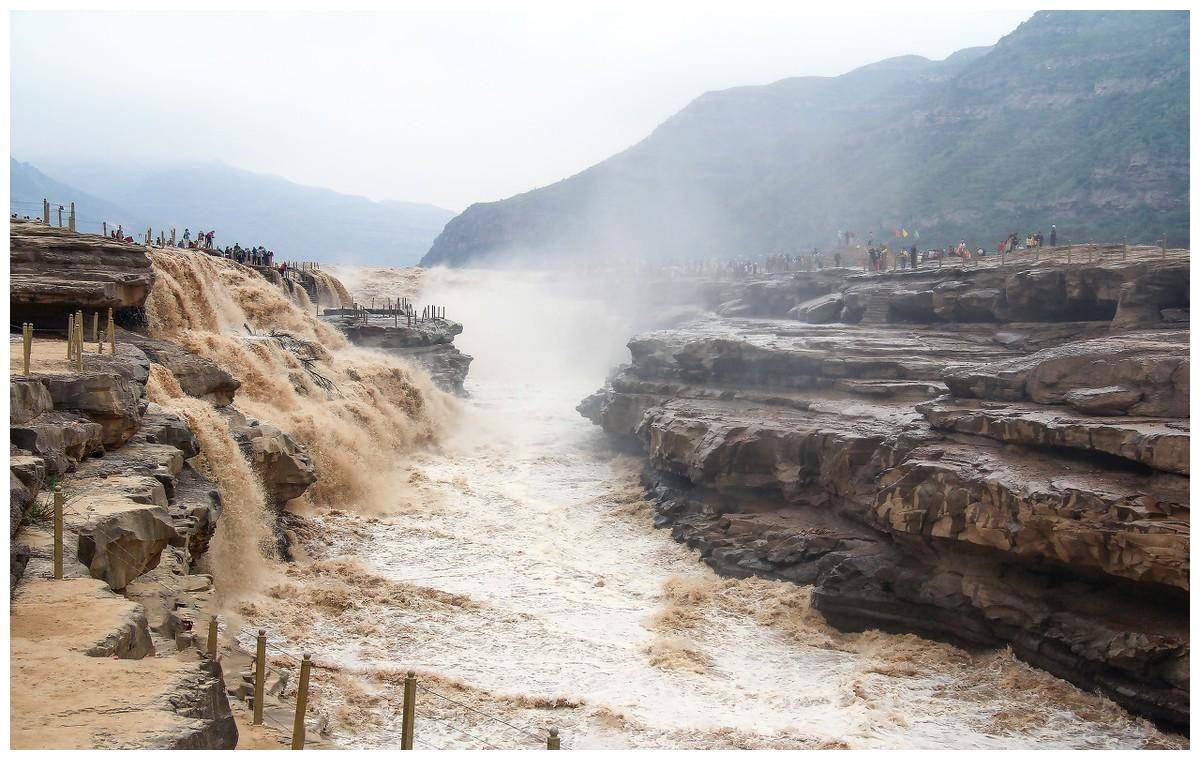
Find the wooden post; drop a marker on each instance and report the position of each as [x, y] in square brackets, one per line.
[58, 532]
[79, 343]
[71, 218]
[212, 637]
[95, 326]
[301, 703]
[46, 211]
[410, 709]
[260, 676]
[552, 741]
[27, 344]
[104, 227]
[60, 210]
[70, 336]
[112, 334]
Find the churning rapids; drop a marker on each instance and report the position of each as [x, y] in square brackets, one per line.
[513, 565]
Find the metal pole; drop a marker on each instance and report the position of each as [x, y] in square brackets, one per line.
[212, 637]
[301, 703]
[552, 741]
[260, 675]
[410, 709]
[58, 532]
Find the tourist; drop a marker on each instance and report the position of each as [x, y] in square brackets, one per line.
[1053, 236]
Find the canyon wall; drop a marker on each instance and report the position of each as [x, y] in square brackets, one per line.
[226, 405]
[996, 456]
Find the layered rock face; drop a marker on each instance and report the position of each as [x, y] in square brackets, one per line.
[1000, 459]
[55, 272]
[106, 657]
[428, 343]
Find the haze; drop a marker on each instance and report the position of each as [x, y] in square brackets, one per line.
[446, 107]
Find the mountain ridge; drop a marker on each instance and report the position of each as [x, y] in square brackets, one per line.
[1078, 119]
[296, 220]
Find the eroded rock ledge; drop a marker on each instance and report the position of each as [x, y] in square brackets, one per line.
[1000, 459]
[428, 343]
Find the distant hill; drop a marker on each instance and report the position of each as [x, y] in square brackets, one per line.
[296, 221]
[1075, 118]
[28, 187]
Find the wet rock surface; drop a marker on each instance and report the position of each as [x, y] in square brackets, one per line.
[428, 343]
[999, 461]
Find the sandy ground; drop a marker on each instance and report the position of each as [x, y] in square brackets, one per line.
[63, 698]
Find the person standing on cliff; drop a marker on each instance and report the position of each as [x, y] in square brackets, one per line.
[1053, 236]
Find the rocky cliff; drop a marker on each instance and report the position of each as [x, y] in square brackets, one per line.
[427, 343]
[996, 456]
[111, 656]
[1079, 119]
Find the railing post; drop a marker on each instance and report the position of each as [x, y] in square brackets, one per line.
[79, 343]
[60, 210]
[112, 333]
[70, 336]
[552, 741]
[58, 532]
[71, 218]
[410, 710]
[260, 676]
[46, 211]
[212, 637]
[104, 228]
[95, 326]
[301, 703]
[27, 344]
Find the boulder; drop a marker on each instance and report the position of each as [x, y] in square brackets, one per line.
[283, 466]
[121, 538]
[197, 376]
[27, 399]
[103, 397]
[1110, 400]
[820, 310]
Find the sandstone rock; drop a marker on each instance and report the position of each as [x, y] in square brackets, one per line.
[1114, 399]
[197, 376]
[1158, 443]
[160, 425]
[120, 538]
[54, 272]
[1003, 517]
[27, 399]
[68, 691]
[1156, 364]
[103, 397]
[282, 464]
[62, 440]
[428, 344]
[820, 310]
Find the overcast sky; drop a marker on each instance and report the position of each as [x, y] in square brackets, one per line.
[445, 107]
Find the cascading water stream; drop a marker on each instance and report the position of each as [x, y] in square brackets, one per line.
[500, 547]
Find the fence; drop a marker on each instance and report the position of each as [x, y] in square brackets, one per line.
[395, 308]
[76, 340]
[263, 647]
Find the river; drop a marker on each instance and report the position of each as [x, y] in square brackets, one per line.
[514, 567]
